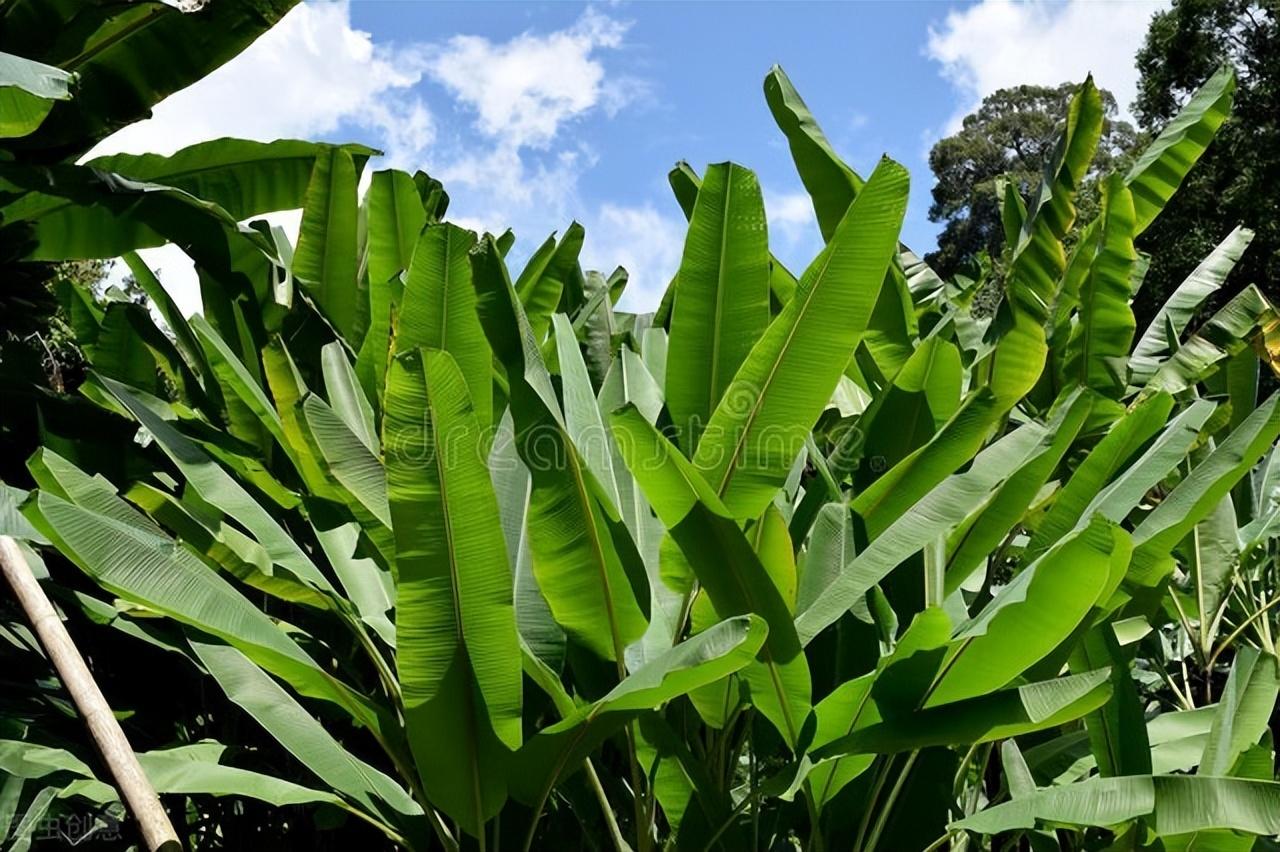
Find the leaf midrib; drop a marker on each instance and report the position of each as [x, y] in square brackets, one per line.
[473, 751]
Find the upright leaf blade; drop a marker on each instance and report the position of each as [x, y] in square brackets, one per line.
[457, 651]
[325, 259]
[722, 304]
[760, 424]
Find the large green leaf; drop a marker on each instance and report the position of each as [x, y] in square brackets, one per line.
[154, 570]
[582, 554]
[1129, 488]
[760, 424]
[1176, 804]
[932, 516]
[829, 549]
[582, 417]
[163, 304]
[325, 260]
[396, 218]
[548, 276]
[722, 305]
[298, 730]
[538, 630]
[222, 544]
[702, 659]
[1117, 731]
[127, 60]
[109, 215]
[1227, 332]
[685, 183]
[1182, 304]
[830, 183]
[1244, 712]
[1039, 259]
[28, 90]
[347, 399]
[855, 704]
[1009, 504]
[1098, 348]
[350, 461]
[438, 310]
[456, 646]
[730, 571]
[983, 718]
[1156, 175]
[886, 500]
[1195, 496]
[220, 489]
[251, 416]
[1033, 613]
[243, 177]
[1122, 441]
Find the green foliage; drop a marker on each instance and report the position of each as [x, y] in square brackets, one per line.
[1239, 177]
[456, 560]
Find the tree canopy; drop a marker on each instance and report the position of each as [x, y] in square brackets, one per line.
[1238, 180]
[1012, 135]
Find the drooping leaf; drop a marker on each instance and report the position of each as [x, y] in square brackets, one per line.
[735, 580]
[28, 90]
[1181, 306]
[995, 715]
[302, 734]
[702, 659]
[1156, 175]
[1196, 495]
[1177, 804]
[830, 183]
[243, 177]
[1033, 613]
[1244, 711]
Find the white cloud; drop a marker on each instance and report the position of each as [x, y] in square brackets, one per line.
[793, 228]
[639, 238]
[303, 78]
[996, 44]
[524, 89]
[306, 77]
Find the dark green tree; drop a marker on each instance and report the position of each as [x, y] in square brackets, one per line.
[1238, 179]
[1012, 133]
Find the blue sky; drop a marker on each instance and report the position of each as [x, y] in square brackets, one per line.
[534, 114]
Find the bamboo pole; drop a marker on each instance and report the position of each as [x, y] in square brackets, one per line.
[134, 787]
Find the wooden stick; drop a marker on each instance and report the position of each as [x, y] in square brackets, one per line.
[134, 787]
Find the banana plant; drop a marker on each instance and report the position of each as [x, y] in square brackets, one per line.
[817, 559]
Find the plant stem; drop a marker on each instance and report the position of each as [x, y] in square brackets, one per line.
[606, 809]
[1222, 646]
[881, 776]
[883, 818]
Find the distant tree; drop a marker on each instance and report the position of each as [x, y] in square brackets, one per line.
[34, 327]
[1012, 134]
[1237, 181]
